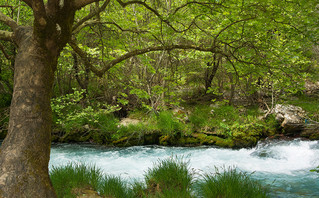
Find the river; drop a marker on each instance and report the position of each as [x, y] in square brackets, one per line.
[284, 165]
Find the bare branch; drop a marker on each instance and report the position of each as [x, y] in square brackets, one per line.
[93, 22]
[110, 64]
[198, 3]
[5, 53]
[155, 12]
[6, 36]
[28, 2]
[78, 4]
[8, 21]
[91, 15]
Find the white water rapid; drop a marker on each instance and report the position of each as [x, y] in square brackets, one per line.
[283, 165]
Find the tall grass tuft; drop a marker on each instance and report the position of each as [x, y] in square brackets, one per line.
[67, 178]
[113, 186]
[169, 176]
[231, 184]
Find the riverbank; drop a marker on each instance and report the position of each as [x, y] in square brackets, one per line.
[215, 124]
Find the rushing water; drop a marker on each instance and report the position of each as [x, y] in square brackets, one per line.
[284, 165]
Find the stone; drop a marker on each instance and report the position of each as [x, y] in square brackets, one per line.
[292, 118]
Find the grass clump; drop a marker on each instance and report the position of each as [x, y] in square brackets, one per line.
[168, 177]
[74, 176]
[113, 186]
[231, 184]
[73, 180]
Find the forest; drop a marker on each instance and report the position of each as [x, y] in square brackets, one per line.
[126, 73]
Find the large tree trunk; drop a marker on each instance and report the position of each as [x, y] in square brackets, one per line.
[25, 153]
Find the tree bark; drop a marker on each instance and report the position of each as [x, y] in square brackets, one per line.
[25, 153]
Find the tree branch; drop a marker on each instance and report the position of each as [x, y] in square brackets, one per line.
[5, 53]
[91, 15]
[78, 4]
[39, 13]
[6, 36]
[8, 21]
[110, 64]
[53, 7]
[225, 28]
[154, 11]
[28, 2]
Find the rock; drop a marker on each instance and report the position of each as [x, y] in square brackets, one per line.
[311, 87]
[292, 118]
[128, 121]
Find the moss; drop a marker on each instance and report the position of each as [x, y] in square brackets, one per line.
[163, 140]
[124, 139]
[314, 136]
[188, 141]
[225, 143]
[242, 139]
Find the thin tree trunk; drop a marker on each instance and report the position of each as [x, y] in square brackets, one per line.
[25, 153]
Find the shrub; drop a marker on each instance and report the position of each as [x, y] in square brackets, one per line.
[231, 184]
[167, 124]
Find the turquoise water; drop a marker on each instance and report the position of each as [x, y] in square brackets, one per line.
[284, 165]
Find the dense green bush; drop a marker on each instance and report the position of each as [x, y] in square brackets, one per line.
[168, 124]
[70, 115]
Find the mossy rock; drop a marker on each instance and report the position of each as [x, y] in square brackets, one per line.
[164, 140]
[188, 141]
[243, 140]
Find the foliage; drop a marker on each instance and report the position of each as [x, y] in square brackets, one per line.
[168, 124]
[309, 104]
[231, 183]
[70, 116]
[200, 117]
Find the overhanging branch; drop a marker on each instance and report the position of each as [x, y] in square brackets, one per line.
[78, 4]
[91, 15]
[106, 66]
